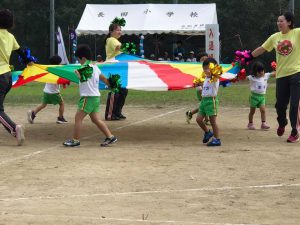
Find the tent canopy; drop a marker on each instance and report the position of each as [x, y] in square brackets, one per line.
[186, 19]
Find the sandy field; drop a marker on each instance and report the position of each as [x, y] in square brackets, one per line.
[158, 173]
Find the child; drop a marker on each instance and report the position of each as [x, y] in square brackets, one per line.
[258, 87]
[8, 44]
[189, 114]
[51, 96]
[89, 98]
[209, 105]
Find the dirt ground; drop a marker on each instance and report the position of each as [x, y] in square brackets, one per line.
[159, 172]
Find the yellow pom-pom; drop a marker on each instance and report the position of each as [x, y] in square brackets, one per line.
[215, 71]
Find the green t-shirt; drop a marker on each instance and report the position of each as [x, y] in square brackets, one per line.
[8, 44]
[287, 47]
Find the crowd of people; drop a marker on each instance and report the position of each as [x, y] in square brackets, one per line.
[179, 55]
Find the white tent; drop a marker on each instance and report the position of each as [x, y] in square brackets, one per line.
[187, 19]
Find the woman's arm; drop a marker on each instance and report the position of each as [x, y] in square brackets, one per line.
[118, 48]
[258, 51]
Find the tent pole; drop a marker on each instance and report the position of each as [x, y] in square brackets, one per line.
[52, 28]
[95, 46]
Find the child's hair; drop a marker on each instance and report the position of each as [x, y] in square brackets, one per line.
[6, 19]
[207, 61]
[257, 67]
[83, 51]
[201, 54]
[55, 60]
[112, 27]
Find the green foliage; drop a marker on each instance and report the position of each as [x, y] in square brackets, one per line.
[244, 24]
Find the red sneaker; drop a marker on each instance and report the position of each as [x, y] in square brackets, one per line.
[280, 131]
[293, 139]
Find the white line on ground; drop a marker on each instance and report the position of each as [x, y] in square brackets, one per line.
[26, 156]
[5, 162]
[126, 220]
[151, 118]
[225, 188]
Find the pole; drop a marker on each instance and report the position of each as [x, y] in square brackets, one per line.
[292, 2]
[95, 47]
[174, 35]
[52, 28]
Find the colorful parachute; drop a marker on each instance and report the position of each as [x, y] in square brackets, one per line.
[136, 73]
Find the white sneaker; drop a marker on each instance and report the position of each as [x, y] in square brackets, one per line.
[265, 126]
[30, 116]
[251, 126]
[20, 134]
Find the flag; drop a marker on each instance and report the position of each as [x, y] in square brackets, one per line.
[61, 50]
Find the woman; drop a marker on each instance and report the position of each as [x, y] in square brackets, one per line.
[286, 42]
[113, 48]
[113, 45]
[8, 44]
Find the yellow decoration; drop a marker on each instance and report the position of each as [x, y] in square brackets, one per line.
[199, 80]
[215, 71]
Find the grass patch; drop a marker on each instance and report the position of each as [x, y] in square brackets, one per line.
[236, 95]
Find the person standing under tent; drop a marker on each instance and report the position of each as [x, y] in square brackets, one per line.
[113, 48]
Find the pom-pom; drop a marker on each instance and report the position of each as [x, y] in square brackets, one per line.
[198, 81]
[64, 82]
[28, 57]
[241, 75]
[129, 48]
[243, 57]
[273, 65]
[85, 73]
[115, 82]
[215, 70]
[120, 21]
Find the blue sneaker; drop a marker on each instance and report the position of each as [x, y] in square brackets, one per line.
[207, 136]
[214, 142]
